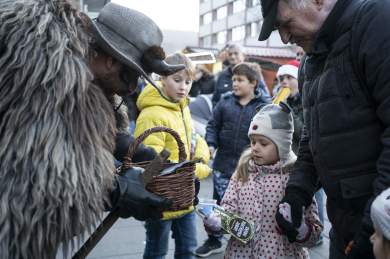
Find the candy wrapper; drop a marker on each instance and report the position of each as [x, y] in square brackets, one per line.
[215, 217]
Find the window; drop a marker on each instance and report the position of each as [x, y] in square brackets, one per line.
[207, 18]
[214, 39]
[238, 33]
[238, 6]
[254, 29]
[255, 2]
[221, 37]
[222, 12]
[207, 41]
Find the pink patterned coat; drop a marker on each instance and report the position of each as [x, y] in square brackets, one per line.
[257, 200]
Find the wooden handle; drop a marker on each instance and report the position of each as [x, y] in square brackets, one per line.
[146, 133]
[96, 236]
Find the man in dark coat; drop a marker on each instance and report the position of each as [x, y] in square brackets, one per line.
[345, 89]
[224, 82]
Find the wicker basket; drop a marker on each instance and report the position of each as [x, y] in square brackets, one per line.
[177, 186]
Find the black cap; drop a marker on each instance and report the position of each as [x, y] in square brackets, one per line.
[269, 9]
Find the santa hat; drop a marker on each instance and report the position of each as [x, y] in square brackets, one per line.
[294, 63]
[275, 122]
[290, 70]
[380, 213]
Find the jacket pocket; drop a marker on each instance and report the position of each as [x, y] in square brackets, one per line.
[356, 187]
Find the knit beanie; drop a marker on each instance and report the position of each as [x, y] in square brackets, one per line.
[290, 70]
[275, 122]
[380, 213]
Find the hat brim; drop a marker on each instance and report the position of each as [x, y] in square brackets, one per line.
[120, 48]
[269, 23]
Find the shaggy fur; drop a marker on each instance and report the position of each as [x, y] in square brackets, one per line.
[56, 130]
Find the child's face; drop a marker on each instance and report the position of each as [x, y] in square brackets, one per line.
[176, 86]
[378, 244]
[242, 87]
[289, 82]
[263, 150]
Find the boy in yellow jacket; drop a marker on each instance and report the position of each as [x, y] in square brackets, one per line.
[169, 107]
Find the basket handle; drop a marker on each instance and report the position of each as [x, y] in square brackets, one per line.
[146, 133]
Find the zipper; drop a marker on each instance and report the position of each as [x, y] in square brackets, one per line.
[238, 128]
[186, 132]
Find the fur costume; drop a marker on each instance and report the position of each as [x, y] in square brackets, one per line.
[56, 130]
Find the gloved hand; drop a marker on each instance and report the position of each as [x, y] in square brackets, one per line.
[296, 200]
[303, 229]
[131, 199]
[197, 188]
[122, 144]
[361, 246]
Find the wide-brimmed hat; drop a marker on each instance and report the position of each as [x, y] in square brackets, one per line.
[269, 9]
[133, 39]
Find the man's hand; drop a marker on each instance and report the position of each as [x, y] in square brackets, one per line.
[131, 199]
[361, 246]
[297, 204]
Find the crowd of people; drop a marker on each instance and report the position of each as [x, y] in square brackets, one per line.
[65, 128]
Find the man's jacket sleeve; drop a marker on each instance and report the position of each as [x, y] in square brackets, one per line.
[371, 48]
[304, 177]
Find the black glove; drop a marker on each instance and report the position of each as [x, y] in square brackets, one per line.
[131, 199]
[122, 143]
[197, 188]
[296, 199]
[362, 247]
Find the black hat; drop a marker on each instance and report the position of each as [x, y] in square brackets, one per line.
[133, 39]
[269, 9]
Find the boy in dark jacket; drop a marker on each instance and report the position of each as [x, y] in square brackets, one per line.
[226, 133]
[224, 82]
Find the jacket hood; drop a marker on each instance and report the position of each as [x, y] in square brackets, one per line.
[151, 97]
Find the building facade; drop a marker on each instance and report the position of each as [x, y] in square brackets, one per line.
[240, 21]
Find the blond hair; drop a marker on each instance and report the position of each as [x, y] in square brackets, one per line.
[242, 172]
[178, 59]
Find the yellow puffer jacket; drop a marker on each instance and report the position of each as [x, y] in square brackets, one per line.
[155, 110]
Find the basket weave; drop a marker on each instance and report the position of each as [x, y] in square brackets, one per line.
[178, 186]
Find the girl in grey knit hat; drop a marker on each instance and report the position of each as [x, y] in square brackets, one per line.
[380, 215]
[258, 185]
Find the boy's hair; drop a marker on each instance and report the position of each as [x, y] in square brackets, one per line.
[242, 172]
[251, 70]
[179, 58]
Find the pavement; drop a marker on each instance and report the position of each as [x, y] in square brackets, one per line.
[126, 239]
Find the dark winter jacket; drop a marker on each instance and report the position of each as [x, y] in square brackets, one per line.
[205, 85]
[297, 111]
[224, 84]
[346, 101]
[228, 131]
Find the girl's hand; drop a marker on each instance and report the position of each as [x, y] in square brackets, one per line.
[303, 229]
[213, 222]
